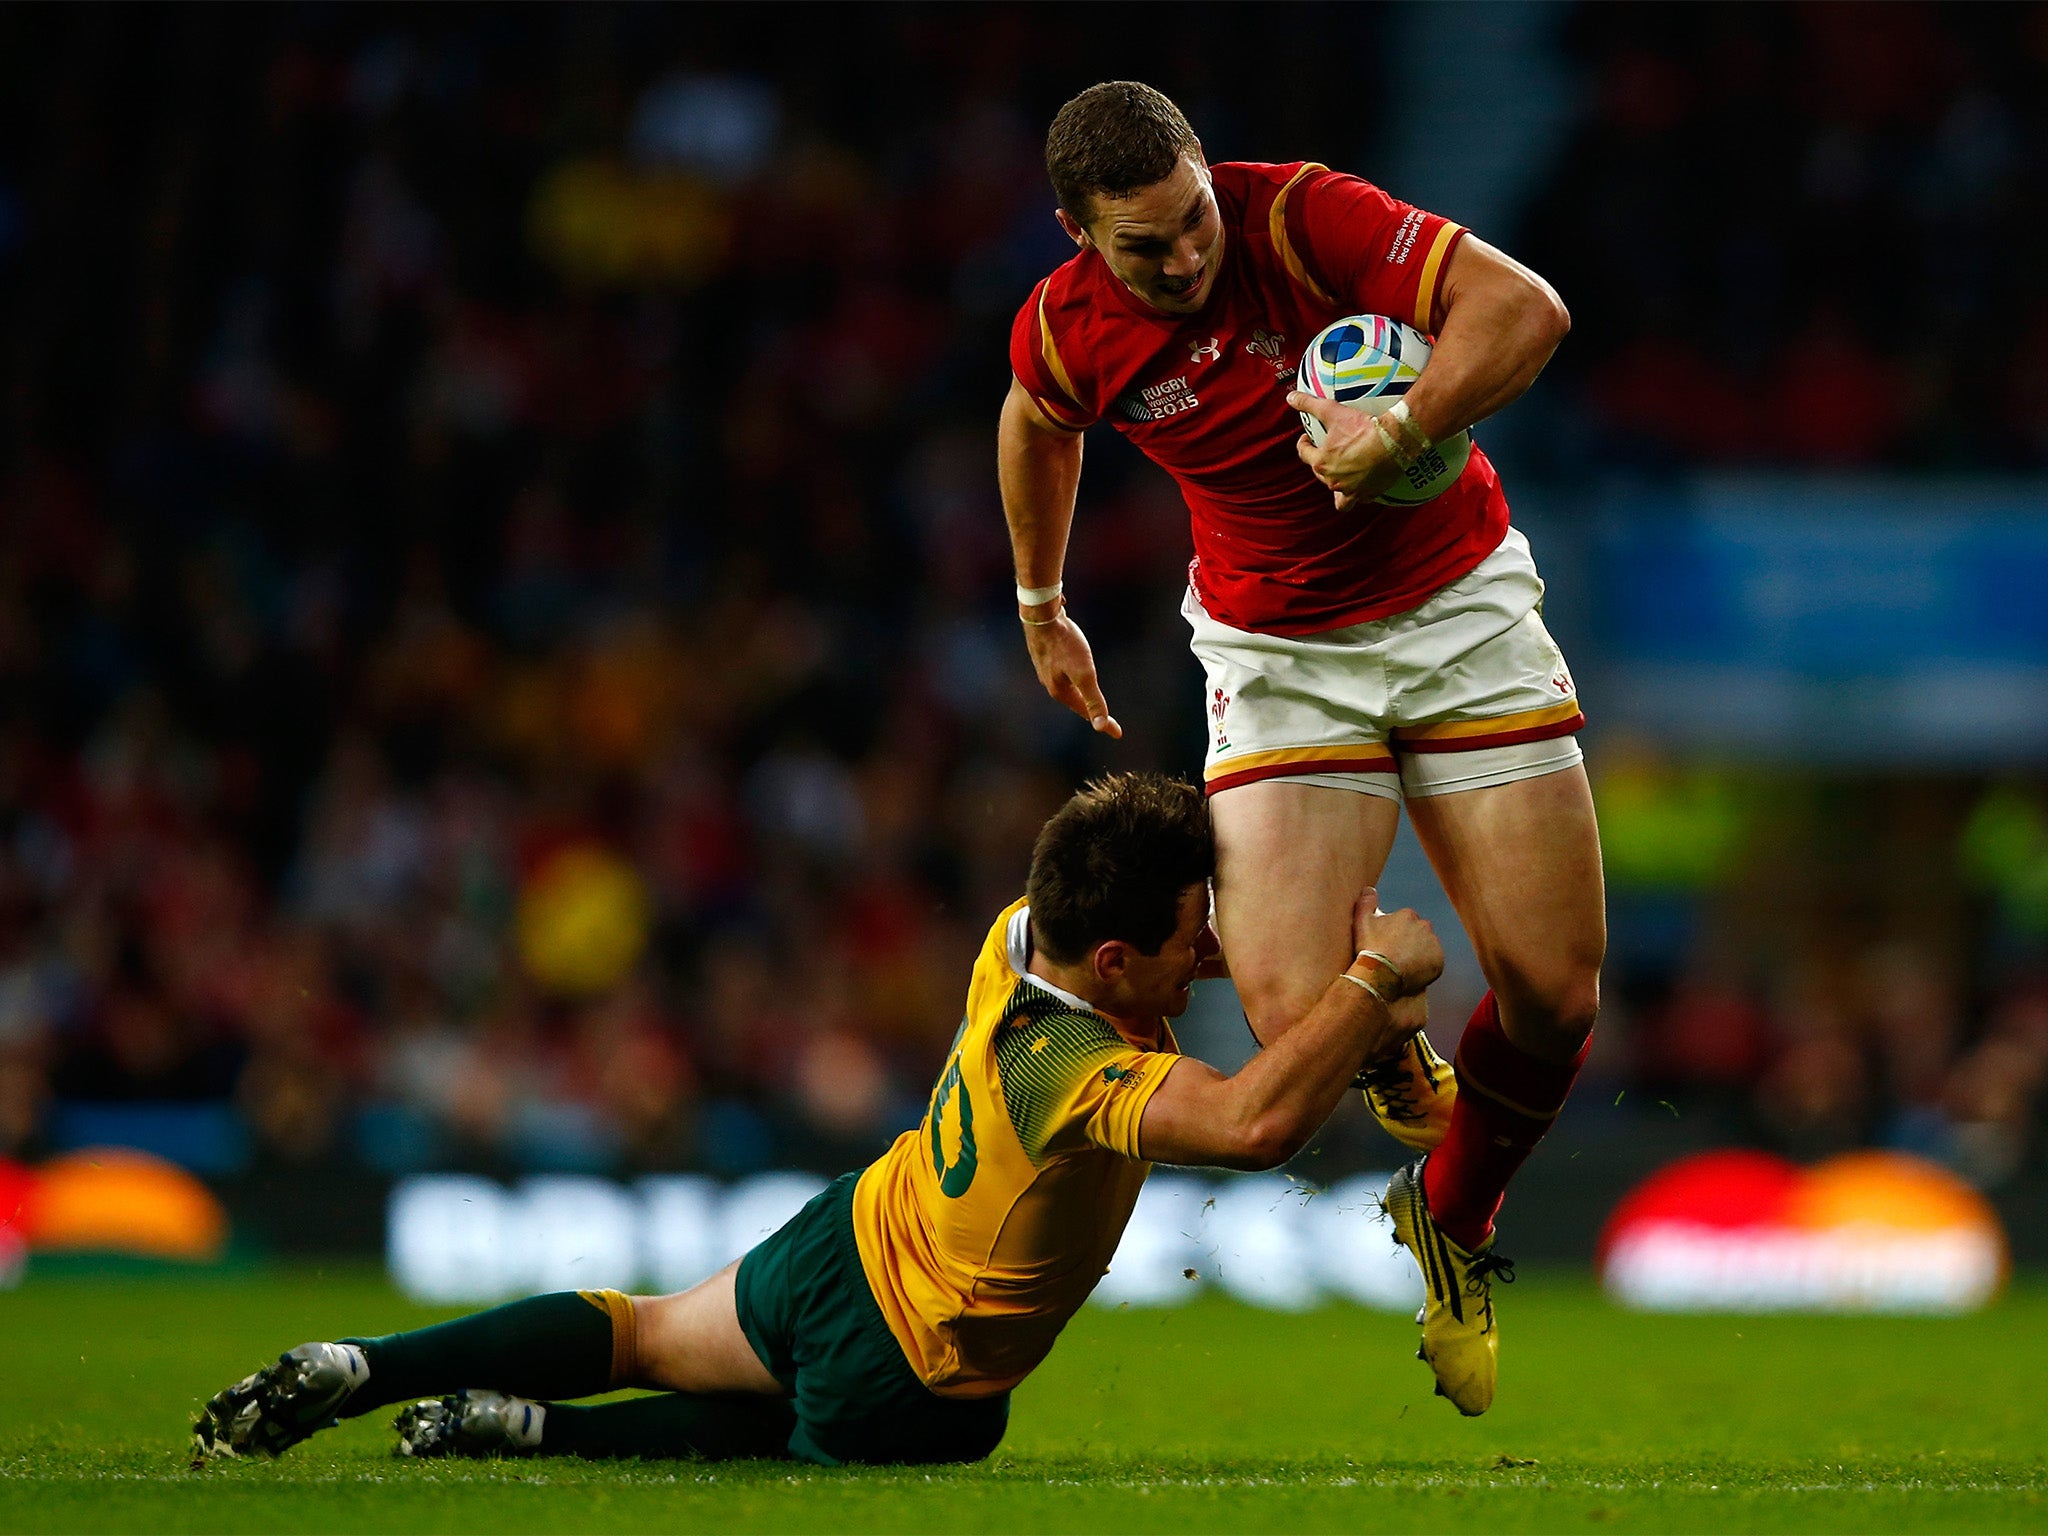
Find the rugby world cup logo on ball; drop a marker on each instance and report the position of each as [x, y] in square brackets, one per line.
[1367, 362]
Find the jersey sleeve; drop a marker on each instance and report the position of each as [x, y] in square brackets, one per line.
[1040, 362]
[1363, 249]
[1069, 1079]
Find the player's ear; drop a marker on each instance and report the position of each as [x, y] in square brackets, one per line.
[1076, 230]
[1111, 959]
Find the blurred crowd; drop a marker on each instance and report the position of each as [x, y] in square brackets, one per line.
[504, 630]
[505, 649]
[1879, 1046]
[1807, 235]
[1819, 962]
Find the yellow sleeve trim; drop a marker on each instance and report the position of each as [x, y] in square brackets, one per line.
[1277, 226]
[1056, 416]
[1132, 1113]
[1425, 291]
[1051, 350]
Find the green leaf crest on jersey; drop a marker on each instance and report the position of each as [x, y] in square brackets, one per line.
[1044, 1047]
[954, 1177]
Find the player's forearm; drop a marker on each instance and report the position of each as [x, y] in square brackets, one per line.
[1282, 1096]
[1039, 472]
[1501, 325]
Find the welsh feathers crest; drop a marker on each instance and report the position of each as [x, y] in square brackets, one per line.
[1273, 348]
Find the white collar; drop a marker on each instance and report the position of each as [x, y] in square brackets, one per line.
[1017, 943]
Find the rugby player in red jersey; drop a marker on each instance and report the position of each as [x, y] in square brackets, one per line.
[1359, 655]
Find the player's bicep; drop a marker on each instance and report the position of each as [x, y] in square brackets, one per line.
[1190, 1119]
[1476, 268]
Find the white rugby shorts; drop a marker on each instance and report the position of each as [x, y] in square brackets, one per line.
[1466, 691]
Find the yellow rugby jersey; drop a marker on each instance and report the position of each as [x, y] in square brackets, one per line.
[983, 1230]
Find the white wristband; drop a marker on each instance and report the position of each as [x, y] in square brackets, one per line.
[1379, 959]
[1362, 983]
[1038, 597]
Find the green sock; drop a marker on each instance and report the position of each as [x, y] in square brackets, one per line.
[558, 1345]
[671, 1424]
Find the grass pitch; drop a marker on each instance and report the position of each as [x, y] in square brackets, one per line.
[1212, 1417]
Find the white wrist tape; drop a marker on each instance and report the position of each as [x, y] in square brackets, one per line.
[1410, 441]
[1038, 597]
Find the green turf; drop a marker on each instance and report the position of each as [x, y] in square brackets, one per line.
[1212, 1417]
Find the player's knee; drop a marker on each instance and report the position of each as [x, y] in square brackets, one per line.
[1553, 1015]
[1576, 1007]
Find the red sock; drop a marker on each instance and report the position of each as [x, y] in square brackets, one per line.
[1507, 1099]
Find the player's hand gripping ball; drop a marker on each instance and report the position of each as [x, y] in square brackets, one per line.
[1367, 362]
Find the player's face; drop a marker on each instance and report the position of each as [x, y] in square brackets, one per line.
[1165, 241]
[1153, 986]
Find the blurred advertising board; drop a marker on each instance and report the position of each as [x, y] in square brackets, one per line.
[107, 1202]
[1750, 1232]
[1884, 622]
[1267, 1240]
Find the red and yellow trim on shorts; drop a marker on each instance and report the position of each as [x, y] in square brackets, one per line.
[1292, 762]
[1561, 719]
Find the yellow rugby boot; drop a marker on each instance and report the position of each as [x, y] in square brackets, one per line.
[1460, 1341]
[1411, 1094]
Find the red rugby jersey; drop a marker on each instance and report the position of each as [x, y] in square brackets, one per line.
[1204, 397]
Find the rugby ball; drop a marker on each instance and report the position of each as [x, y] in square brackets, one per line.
[1367, 362]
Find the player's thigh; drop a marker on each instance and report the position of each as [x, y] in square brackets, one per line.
[1290, 860]
[692, 1341]
[1521, 863]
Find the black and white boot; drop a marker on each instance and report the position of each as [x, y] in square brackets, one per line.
[473, 1423]
[271, 1411]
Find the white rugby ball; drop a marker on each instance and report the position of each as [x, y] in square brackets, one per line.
[1367, 362]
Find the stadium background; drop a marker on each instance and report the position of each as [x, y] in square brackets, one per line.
[506, 661]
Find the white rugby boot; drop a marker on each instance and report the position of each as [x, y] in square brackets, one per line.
[269, 1412]
[471, 1423]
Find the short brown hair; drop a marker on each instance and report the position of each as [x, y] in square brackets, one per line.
[1111, 140]
[1114, 862]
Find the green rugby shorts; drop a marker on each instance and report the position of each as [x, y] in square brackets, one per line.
[805, 1305]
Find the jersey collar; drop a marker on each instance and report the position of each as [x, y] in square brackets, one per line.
[1017, 942]
[1017, 950]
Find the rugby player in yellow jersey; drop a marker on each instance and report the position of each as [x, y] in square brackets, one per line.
[889, 1319]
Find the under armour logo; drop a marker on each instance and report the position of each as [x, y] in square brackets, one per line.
[1206, 352]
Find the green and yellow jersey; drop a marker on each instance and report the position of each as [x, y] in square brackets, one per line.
[983, 1230]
